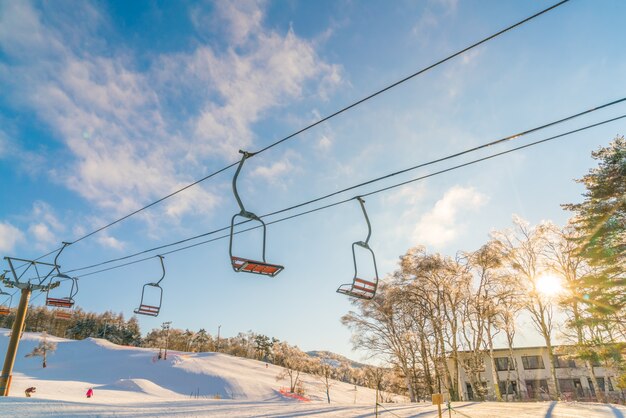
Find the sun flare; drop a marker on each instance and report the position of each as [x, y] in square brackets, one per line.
[549, 285]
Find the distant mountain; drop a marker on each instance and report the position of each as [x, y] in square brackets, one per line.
[337, 359]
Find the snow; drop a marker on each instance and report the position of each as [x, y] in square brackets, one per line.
[130, 381]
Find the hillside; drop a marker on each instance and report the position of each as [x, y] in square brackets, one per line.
[130, 381]
[337, 359]
[124, 374]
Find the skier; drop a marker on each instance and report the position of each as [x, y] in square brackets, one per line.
[89, 392]
[30, 391]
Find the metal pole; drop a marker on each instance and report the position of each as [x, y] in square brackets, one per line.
[16, 333]
[376, 407]
[166, 327]
[218, 338]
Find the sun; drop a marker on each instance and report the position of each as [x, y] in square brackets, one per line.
[549, 285]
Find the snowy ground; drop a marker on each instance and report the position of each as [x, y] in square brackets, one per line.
[130, 381]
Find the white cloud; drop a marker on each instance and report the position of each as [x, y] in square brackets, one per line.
[430, 19]
[10, 236]
[441, 225]
[44, 226]
[111, 242]
[324, 143]
[410, 195]
[42, 234]
[275, 171]
[127, 148]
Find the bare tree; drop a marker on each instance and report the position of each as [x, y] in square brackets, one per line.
[522, 249]
[325, 373]
[293, 362]
[42, 349]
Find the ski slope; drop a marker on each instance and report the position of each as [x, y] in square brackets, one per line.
[130, 381]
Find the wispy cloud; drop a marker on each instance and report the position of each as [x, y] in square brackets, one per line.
[44, 227]
[128, 146]
[442, 224]
[111, 242]
[430, 18]
[10, 236]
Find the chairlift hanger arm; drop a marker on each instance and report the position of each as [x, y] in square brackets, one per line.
[56, 257]
[243, 212]
[369, 225]
[162, 267]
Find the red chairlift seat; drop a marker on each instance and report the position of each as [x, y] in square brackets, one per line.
[60, 302]
[360, 288]
[59, 314]
[147, 310]
[258, 267]
[5, 308]
[63, 302]
[247, 265]
[151, 309]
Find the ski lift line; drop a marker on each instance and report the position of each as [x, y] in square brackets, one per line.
[451, 156]
[411, 76]
[156, 202]
[39, 258]
[467, 151]
[367, 194]
[328, 117]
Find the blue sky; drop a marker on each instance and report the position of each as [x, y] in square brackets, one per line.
[107, 106]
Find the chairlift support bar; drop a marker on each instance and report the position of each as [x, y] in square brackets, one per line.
[243, 264]
[23, 285]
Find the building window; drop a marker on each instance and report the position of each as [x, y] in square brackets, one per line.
[537, 389]
[512, 388]
[503, 364]
[532, 362]
[601, 384]
[560, 362]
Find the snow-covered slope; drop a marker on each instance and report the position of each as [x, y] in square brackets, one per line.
[131, 382]
[127, 374]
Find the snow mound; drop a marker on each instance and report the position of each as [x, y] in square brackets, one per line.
[140, 385]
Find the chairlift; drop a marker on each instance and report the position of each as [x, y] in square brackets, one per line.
[361, 288]
[151, 309]
[63, 302]
[5, 307]
[63, 314]
[245, 264]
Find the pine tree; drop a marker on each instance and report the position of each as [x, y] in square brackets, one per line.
[600, 221]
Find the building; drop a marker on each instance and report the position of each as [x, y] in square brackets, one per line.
[529, 376]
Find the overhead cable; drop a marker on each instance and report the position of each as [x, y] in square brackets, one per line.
[330, 116]
[344, 200]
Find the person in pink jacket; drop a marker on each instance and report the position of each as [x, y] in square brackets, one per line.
[90, 393]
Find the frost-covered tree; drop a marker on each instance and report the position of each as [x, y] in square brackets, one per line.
[523, 249]
[293, 362]
[42, 349]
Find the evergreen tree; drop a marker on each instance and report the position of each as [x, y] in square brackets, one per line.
[600, 221]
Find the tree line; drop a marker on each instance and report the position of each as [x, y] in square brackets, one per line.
[437, 314]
